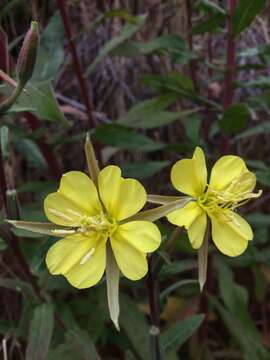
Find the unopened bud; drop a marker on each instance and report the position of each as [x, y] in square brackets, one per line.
[28, 54]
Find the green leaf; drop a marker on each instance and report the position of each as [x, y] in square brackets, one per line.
[211, 24]
[80, 340]
[262, 128]
[124, 138]
[176, 268]
[128, 30]
[173, 44]
[261, 82]
[40, 97]
[244, 13]
[31, 152]
[150, 113]
[211, 7]
[40, 333]
[236, 299]
[123, 14]
[177, 285]
[178, 334]
[135, 325]
[192, 126]
[177, 83]
[234, 118]
[251, 348]
[143, 170]
[51, 50]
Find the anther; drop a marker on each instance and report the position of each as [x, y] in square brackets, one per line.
[87, 256]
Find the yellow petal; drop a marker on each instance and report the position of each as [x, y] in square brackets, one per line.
[80, 189]
[131, 261]
[189, 176]
[62, 211]
[90, 270]
[231, 236]
[77, 196]
[143, 235]
[121, 197]
[186, 215]
[225, 170]
[80, 259]
[197, 229]
[65, 253]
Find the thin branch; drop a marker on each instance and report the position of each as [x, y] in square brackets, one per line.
[78, 68]
[153, 299]
[79, 72]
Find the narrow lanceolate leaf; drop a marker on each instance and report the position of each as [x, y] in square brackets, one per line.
[245, 13]
[41, 228]
[92, 162]
[160, 199]
[159, 212]
[112, 278]
[128, 30]
[202, 259]
[175, 336]
[40, 333]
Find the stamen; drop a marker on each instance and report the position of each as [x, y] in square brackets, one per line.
[86, 257]
[60, 214]
[75, 213]
[63, 231]
[236, 194]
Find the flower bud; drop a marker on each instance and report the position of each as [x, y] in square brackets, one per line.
[28, 54]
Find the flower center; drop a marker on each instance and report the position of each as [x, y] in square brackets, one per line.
[235, 194]
[101, 224]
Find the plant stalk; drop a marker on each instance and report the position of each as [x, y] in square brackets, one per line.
[153, 299]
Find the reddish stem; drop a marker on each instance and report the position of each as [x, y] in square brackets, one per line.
[4, 58]
[78, 68]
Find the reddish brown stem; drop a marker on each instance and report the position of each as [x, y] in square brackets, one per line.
[78, 68]
[53, 164]
[4, 58]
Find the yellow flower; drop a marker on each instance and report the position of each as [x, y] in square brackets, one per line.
[231, 185]
[95, 217]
